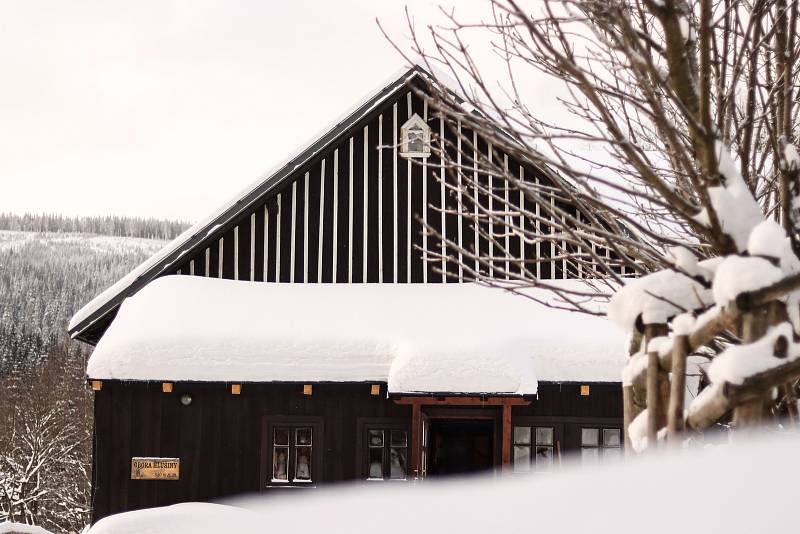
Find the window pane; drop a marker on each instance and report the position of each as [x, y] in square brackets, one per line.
[590, 455]
[544, 436]
[281, 436]
[397, 463]
[280, 461]
[522, 435]
[589, 436]
[376, 438]
[376, 462]
[522, 458]
[302, 468]
[399, 438]
[303, 436]
[611, 437]
[544, 458]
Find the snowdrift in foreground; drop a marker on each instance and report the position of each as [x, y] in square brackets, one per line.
[420, 338]
[718, 489]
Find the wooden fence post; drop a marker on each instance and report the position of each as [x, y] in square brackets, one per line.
[630, 409]
[677, 386]
[657, 386]
[754, 325]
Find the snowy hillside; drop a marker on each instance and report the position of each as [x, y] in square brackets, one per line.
[45, 276]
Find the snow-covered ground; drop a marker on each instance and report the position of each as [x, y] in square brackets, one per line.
[743, 488]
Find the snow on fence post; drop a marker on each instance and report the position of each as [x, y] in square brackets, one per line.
[680, 344]
[657, 385]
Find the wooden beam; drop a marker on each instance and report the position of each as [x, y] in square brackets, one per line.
[375, 389]
[462, 401]
[416, 440]
[97, 385]
[308, 389]
[236, 389]
[166, 387]
[506, 450]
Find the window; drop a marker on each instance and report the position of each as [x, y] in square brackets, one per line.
[384, 449]
[598, 444]
[415, 137]
[534, 448]
[292, 455]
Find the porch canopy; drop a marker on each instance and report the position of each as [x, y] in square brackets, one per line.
[434, 338]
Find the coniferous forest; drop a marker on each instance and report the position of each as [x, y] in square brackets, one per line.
[50, 266]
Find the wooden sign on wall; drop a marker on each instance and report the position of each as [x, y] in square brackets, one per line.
[155, 468]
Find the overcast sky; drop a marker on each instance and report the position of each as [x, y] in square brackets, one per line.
[167, 109]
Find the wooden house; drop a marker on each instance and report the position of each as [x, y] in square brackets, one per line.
[297, 337]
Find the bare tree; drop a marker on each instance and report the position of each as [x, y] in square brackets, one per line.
[677, 159]
[45, 467]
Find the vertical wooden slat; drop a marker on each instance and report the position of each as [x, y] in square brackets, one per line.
[394, 189]
[490, 153]
[253, 247]
[475, 197]
[522, 239]
[294, 232]
[409, 215]
[305, 229]
[278, 240]
[460, 209]
[236, 252]
[506, 217]
[266, 242]
[380, 198]
[350, 250]
[365, 231]
[443, 177]
[425, 201]
[191, 267]
[220, 258]
[321, 219]
[208, 261]
[335, 210]
[538, 229]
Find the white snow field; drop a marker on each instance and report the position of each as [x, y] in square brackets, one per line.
[736, 489]
[418, 338]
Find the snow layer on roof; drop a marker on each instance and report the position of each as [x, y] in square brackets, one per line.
[435, 338]
[210, 223]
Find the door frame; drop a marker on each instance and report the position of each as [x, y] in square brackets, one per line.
[489, 413]
[475, 405]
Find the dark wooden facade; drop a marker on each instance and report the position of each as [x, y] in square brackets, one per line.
[352, 211]
[219, 436]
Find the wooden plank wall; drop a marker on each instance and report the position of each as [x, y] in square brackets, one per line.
[218, 436]
[355, 213]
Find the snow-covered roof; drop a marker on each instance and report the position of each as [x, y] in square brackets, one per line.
[433, 338]
[176, 249]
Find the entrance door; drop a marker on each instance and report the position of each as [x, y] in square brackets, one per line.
[459, 446]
